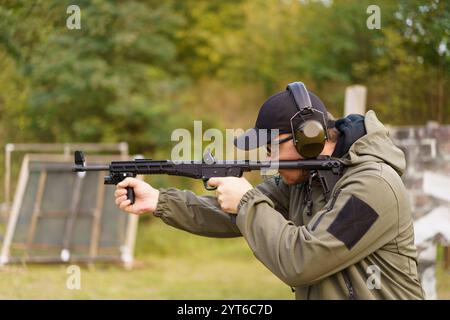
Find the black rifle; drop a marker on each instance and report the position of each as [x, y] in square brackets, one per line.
[206, 169]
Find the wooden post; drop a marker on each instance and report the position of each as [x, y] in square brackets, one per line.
[36, 211]
[8, 149]
[14, 215]
[447, 258]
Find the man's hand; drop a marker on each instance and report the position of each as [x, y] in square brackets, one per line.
[230, 191]
[146, 197]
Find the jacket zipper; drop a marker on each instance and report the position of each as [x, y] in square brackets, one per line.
[330, 206]
[348, 284]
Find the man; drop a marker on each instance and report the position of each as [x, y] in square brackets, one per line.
[356, 243]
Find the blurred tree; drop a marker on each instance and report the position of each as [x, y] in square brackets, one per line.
[108, 81]
[425, 27]
[409, 74]
[263, 50]
[13, 96]
[136, 68]
[207, 27]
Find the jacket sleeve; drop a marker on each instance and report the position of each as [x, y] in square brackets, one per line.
[202, 215]
[361, 218]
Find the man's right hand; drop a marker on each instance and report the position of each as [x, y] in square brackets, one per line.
[146, 197]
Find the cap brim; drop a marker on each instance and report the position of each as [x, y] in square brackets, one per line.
[253, 139]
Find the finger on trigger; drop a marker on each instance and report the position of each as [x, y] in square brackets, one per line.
[213, 182]
[125, 183]
[129, 182]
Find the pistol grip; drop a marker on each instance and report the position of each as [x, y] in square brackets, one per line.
[130, 195]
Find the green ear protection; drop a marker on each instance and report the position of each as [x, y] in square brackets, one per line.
[309, 137]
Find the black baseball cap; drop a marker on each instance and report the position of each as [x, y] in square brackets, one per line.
[275, 113]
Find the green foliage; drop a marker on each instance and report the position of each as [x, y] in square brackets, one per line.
[139, 69]
[410, 70]
[106, 82]
[207, 27]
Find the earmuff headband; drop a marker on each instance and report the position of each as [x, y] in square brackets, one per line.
[304, 105]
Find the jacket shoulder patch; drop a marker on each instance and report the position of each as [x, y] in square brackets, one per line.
[353, 221]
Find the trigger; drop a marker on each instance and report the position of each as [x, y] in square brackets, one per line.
[206, 185]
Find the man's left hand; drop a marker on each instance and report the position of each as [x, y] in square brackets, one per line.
[230, 191]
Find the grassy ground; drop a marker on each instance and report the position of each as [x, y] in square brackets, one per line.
[170, 265]
[443, 283]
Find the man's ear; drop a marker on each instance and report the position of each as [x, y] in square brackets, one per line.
[328, 148]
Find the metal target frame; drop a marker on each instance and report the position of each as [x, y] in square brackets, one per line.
[47, 164]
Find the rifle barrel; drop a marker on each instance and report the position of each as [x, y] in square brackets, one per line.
[156, 166]
[91, 168]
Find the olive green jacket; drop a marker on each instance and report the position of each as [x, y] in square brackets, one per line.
[357, 245]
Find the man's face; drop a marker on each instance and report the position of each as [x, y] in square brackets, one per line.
[287, 151]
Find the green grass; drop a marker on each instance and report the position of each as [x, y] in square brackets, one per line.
[443, 283]
[170, 264]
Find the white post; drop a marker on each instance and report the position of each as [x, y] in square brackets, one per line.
[355, 100]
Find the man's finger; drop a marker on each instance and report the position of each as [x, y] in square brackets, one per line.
[119, 200]
[120, 192]
[124, 204]
[214, 182]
